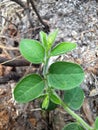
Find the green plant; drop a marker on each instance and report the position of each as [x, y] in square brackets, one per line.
[60, 75]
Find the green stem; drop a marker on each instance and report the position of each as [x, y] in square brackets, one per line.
[45, 68]
[75, 116]
[46, 60]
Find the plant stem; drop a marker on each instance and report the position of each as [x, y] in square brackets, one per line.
[45, 68]
[75, 116]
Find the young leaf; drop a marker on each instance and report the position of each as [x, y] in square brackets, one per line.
[45, 102]
[43, 37]
[51, 106]
[32, 50]
[51, 38]
[96, 124]
[73, 126]
[62, 48]
[65, 75]
[74, 98]
[55, 99]
[29, 88]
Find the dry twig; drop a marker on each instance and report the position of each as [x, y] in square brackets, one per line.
[14, 62]
[8, 48]
[27, 9]
[40, 19]
[10, 76]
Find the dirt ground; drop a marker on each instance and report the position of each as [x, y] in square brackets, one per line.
[77, 22]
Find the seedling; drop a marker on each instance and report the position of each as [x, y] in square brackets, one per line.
[60, 75]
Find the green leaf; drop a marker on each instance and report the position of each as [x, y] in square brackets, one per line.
[43, 37]
[55, 98]
[51, 106]
[74, 98]
[32, 50]
[45, 102]
[62, 48]
[51, 38]
[96, 124]
[29, 88]
[73, 126]
[65, 75]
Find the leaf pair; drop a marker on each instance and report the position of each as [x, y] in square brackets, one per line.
[50, 101]
[34, 51]
[62, 75]
[48, 40]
